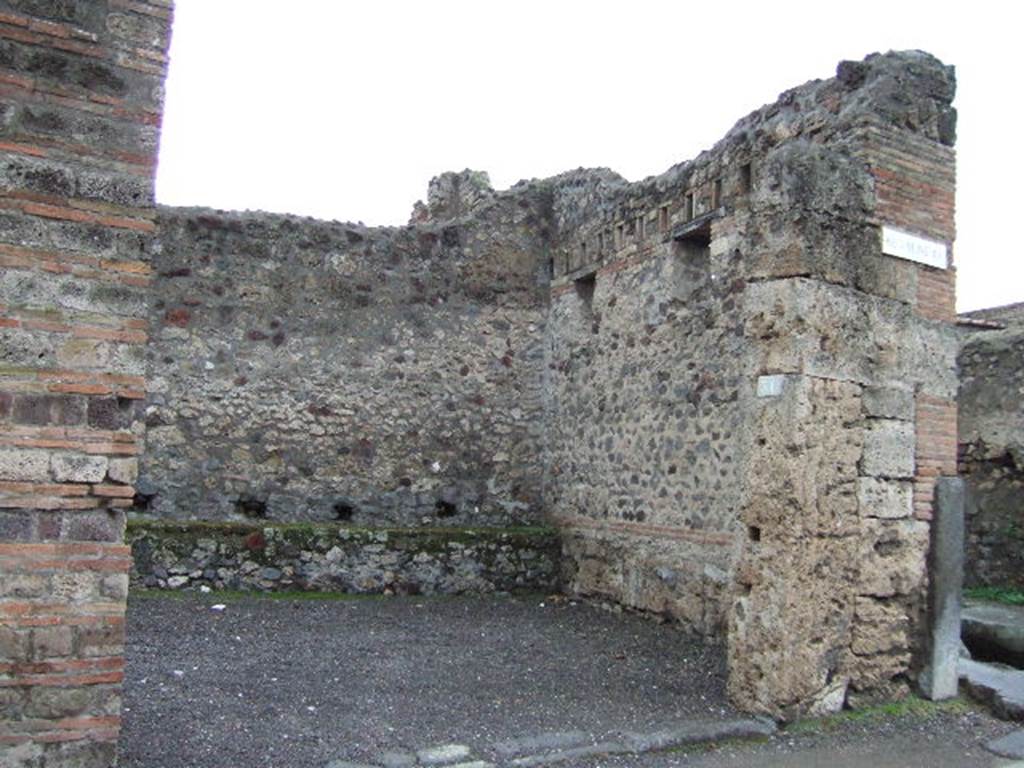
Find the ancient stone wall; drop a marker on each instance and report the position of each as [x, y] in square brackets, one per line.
[305, 370]
[80, 103]
[750, 401]
[991, 435]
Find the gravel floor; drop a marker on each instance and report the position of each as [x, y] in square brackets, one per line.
[296, 683]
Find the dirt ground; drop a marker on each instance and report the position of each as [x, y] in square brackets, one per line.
[298, 683]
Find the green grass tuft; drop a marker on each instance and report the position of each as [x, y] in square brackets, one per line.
[1005, 595]
[911, 707]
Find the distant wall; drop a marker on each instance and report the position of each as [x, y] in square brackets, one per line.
[991, 434]
[304, 370]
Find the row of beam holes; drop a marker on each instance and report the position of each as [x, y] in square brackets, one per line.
[716, 200]
[343, 511]
[640, 229]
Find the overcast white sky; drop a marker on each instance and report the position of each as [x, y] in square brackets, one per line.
[345, 110]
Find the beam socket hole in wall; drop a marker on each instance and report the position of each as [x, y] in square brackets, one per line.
[343, 511]
[640, 233]
[585, 287]
[716, 193]
[445, 508]
[551, 268]
[620, 233]
[689, 206]
[663, 219]
[746, 178]
[754, 533]
[142, 502]
[250, 506]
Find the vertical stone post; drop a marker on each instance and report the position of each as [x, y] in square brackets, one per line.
[940, 679]
[81, 88]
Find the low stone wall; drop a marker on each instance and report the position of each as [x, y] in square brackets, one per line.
[338, 558]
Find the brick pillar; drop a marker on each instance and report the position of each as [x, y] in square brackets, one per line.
[915, 189]
[80, 106]
[915, 179]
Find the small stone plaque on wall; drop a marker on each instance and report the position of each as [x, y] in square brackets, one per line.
[904, 245]
[770, 386]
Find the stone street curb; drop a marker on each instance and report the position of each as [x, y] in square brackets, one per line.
[999, 688]
[1011, 745]
[558, 747]
[630, 742]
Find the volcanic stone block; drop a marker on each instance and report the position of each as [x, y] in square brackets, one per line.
[24, 465]
[888, 449]
[880, 497]
[78, 468]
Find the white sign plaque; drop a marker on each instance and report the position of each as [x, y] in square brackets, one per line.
[770, 386]
[904, 245]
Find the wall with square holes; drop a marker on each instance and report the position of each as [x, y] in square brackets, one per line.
[313, 371]
[751, 398]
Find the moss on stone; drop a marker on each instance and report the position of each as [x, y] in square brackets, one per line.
[425, 537]
[505, 558]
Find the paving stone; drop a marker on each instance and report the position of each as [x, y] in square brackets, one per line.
[542, 742]
[396, 758]
[995, 629]
[1001, 688]
[347, 764]
[578, 753]
[1011, 745]
[443, 755]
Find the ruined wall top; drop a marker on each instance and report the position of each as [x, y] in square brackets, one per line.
[1006, 316]
[910, 91]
